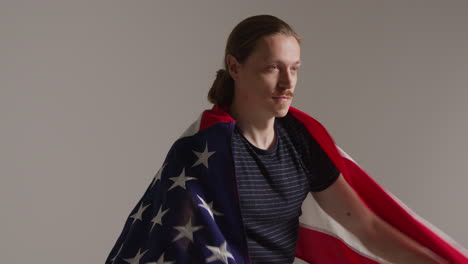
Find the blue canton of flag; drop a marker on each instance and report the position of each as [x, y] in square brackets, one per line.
[189, 201]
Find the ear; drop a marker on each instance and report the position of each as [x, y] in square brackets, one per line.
[232, 66]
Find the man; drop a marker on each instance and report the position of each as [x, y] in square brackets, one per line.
[231, 188]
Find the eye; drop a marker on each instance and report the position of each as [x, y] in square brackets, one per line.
[295, 70]
[272, 67]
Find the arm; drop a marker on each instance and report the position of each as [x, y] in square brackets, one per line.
[342, 203]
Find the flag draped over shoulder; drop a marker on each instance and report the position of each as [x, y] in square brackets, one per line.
[190, 212]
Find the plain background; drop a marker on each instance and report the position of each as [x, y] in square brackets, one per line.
[92, 95]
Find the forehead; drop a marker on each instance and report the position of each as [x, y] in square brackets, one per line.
[278, 47]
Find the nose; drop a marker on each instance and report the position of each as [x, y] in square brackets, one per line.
[286, 80]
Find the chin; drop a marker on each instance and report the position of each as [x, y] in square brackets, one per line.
[282, 112]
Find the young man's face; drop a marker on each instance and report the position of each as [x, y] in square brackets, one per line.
[265, 82]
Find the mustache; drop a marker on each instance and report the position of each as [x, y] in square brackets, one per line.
[287, 93]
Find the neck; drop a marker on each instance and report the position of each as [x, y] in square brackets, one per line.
[256, 129]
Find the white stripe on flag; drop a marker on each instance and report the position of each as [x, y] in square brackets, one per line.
[315, 218]
[433, 228]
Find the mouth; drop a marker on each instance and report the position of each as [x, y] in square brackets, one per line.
[281, 98]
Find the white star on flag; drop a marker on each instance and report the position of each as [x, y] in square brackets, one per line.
[136, 259]
[138, 215]
[161, 261]
[208, 207]
[203, 156]
[158, 218]
[180, 181]
[187, 230]
[158, 175]
[219, 253]
[117, 254]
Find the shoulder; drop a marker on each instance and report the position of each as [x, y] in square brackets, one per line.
[295, 129]
[216, 137]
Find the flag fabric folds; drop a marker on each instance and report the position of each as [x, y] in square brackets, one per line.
[190, 211]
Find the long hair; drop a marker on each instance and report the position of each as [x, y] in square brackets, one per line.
[240, 44]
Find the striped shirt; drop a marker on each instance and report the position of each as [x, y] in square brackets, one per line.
[273, 184]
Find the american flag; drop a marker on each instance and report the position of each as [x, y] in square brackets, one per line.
[190, 211]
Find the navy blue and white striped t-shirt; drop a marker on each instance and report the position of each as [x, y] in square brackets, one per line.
[273, 184]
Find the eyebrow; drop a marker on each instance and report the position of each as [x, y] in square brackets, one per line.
[278, 61]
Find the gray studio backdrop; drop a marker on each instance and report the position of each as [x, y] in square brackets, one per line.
[92, 95]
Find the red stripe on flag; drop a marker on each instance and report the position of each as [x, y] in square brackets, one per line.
[317, 247]
[214, 116]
